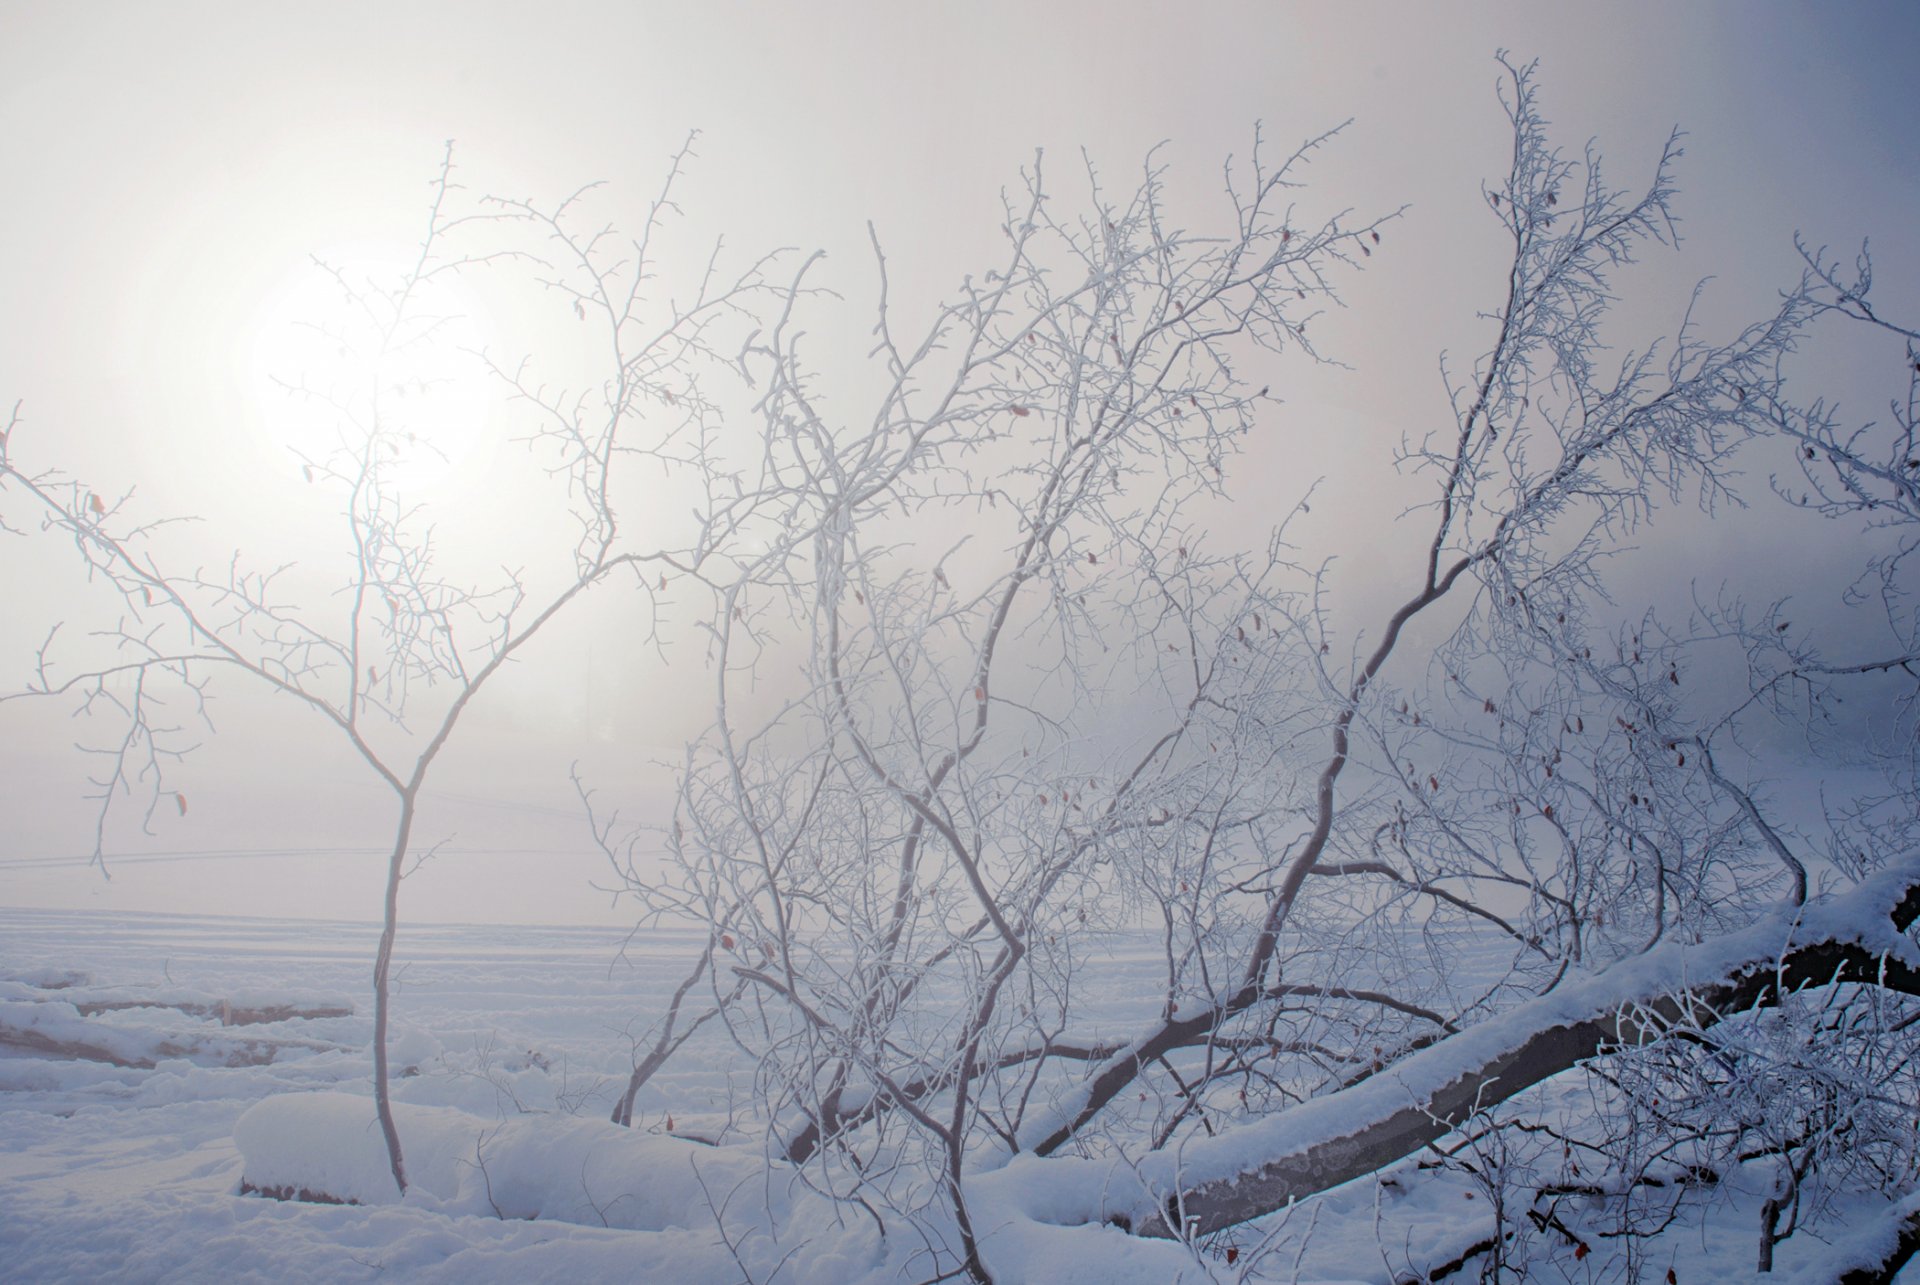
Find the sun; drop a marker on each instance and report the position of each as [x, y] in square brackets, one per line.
[355, 346]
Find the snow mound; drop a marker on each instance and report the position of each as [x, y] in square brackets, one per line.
[58, 1029]
[550, 1167]
[558, 1168]
[329, 1145]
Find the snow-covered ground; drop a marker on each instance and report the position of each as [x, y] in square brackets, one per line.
[221, 1054]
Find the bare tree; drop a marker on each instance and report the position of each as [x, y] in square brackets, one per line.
[1074, 712]
[394, 667]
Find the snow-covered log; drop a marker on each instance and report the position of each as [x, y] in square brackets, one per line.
[56, 1028]
[1218, 1182]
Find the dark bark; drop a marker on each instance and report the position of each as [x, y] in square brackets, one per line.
[1359, 1130]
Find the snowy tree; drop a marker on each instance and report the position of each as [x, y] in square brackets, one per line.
[390, 655]
[1077, 711]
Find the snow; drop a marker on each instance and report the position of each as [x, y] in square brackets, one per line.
[521, 1038]
[1865, 1245]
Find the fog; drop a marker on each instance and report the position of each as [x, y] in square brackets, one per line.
[173, 169]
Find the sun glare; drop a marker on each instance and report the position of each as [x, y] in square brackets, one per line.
[336, 352]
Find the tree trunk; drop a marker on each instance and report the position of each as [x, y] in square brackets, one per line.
[382, 992]
[1257, 1169]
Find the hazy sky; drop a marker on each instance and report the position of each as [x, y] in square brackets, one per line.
[168, 169]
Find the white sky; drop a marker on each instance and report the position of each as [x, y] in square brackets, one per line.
[167, 169]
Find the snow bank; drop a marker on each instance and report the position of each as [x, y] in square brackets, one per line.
[329, 1144]
[559, 1168]
[1866, 1246]
[555, 1167]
